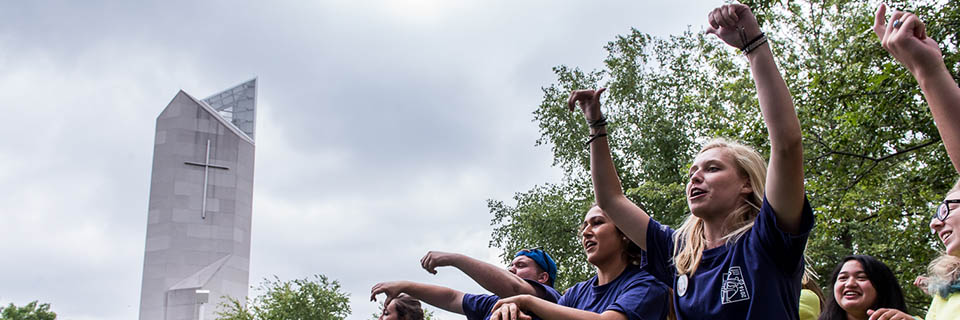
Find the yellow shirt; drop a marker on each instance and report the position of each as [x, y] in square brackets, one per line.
[941, 309]
[809, 305]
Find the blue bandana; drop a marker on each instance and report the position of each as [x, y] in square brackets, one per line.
[948, 290]
[542, 259]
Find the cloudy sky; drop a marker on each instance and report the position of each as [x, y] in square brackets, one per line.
[383, 127]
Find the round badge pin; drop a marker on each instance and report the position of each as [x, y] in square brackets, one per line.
[682, 285]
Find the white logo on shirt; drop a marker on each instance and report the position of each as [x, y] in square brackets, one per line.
[734, 288]
[682, 285]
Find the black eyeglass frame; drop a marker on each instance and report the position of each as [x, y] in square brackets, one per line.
[944, 206]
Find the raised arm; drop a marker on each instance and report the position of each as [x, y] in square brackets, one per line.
[606, 183]
[495, 279]
[437, 296]
[509, 309]
[736, 25]
[905, 37]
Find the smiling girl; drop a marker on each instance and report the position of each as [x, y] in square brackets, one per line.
[864, 287]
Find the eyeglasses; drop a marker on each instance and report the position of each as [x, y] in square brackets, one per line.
[944, 209]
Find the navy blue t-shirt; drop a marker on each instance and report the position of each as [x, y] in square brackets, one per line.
[634, 293]
[478, 306]
[756, 277]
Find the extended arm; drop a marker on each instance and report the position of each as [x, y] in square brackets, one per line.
[440, 297]
[606, 183]
[907, 41]
[508, 309]
[784, 185]
[495, 279]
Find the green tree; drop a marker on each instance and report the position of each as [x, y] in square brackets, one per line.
[31, 311]
[300, 299]
[875, 166]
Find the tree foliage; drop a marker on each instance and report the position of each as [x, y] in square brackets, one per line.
[299, 299]
[875, 165]
[31, 311]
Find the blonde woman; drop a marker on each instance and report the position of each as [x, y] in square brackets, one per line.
[906, 39]
[739, 254]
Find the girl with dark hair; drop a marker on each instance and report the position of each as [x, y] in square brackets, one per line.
[864, 287]
[622, 289]
[403, 307]
[905, 37]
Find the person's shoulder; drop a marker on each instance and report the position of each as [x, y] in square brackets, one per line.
[580, 286]
[655, 225]
[550, 295]
[548, 292]
[477, 299]
[637, 275]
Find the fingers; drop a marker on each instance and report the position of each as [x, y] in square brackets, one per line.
[887, 314]
[584, 95]
[572, 101]
[729, 15]
[578, 95]
[912, 23]
[428, 263]
[712, 30]
[902, 29]
[524, 316]
[726, 16]
[501, 314]
[879, 22]
[509, 311]
[596, 96]
[888, 31]
[377, 289]
[496, 306]
[501, 310]
[712, 18]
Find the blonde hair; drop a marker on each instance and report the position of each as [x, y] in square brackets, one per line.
[689, 241]
[809, 281]
[945, 269]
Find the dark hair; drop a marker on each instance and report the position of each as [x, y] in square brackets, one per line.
[632, 253]
[889, 294]
[407, 307]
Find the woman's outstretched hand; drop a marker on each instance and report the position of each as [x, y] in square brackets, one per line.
[905, 37]
[588, 101]
[510, 308]
[728, 21]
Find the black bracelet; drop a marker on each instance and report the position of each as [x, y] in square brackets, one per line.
[593, 137]
[754, 44]
[599, 123]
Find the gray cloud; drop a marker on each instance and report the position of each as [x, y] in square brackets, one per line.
[383, 127]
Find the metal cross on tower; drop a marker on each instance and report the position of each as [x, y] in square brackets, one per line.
[206, 174]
